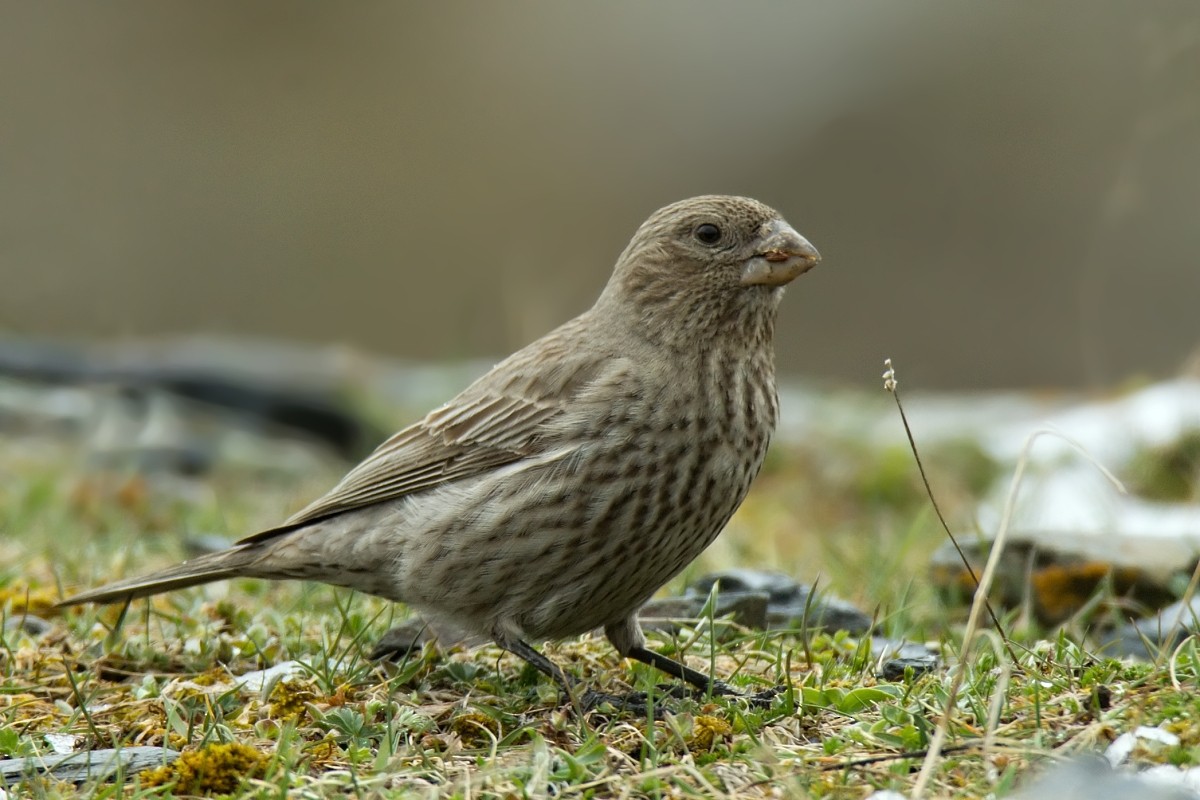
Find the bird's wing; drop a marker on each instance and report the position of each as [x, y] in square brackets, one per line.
[452, 443]
[493, 423]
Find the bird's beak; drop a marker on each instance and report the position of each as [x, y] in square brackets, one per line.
[784, 256]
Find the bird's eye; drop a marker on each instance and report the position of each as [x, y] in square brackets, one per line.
[708, 233]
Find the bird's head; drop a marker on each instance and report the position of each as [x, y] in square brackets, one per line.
[715, 257]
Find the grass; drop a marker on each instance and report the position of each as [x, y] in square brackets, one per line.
[481, 723]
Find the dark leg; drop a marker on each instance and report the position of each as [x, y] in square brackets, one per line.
[680, 671]
[588, 700]
[698, 679]
[539, 662]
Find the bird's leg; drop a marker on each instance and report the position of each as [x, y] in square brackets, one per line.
[681, 671]
[582, 703]
[542, 664]
[626, 635]
[698, 679]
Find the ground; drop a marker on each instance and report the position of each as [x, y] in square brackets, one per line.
[481, 723]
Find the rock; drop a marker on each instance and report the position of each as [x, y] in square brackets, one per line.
[778, 586]
[788, 601]
[34, 626]
[896, 668]
[746, 608]
[86, 765]
[902, 656]
[1060, 573]
[1147, 637]
[255, 383]
[1093, 779]
[757, 599]
[1072, 528]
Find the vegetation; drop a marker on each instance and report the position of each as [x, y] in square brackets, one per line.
[478, 722]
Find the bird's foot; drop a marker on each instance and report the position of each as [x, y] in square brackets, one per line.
[764, 698]
[638, 703]
[630, 703]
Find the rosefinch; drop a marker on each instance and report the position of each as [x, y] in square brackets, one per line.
[559, 491]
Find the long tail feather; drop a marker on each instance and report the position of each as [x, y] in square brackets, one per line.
[205, 569]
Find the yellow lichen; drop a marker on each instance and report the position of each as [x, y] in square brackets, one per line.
[213, 769]
[1062, 589]
[324, 753]
[19, 598]
[706, 730]
[213, 677]
[290, 698]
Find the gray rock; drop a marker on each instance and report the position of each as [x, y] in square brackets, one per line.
[251, 382]
[746, 608]
[1058, 572]
[1146, 637]
[1094, 779]
[34, 626]
[86, 765]
[902, 656]
[788, 601]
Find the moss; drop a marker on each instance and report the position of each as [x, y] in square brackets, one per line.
[475, 729]
[213, 769]
[1170, 473]
[19, 598]
[213, 677]
[290, 698]
[707, 730]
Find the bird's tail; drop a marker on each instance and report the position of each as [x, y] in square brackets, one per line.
[230, 563]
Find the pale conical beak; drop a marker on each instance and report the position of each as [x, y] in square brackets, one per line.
[783, 257]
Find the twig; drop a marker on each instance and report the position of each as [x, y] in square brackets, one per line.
[868, 760]
[891, 383]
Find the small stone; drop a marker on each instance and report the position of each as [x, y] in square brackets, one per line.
[902, 656]
[28, 623]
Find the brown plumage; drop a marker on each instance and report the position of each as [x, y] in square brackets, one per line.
[558, 492]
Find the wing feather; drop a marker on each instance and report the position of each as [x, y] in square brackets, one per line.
[496, 421]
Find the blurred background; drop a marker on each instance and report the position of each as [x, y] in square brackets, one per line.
[1004, 194]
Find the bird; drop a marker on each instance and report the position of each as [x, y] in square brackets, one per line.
[558, 492]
